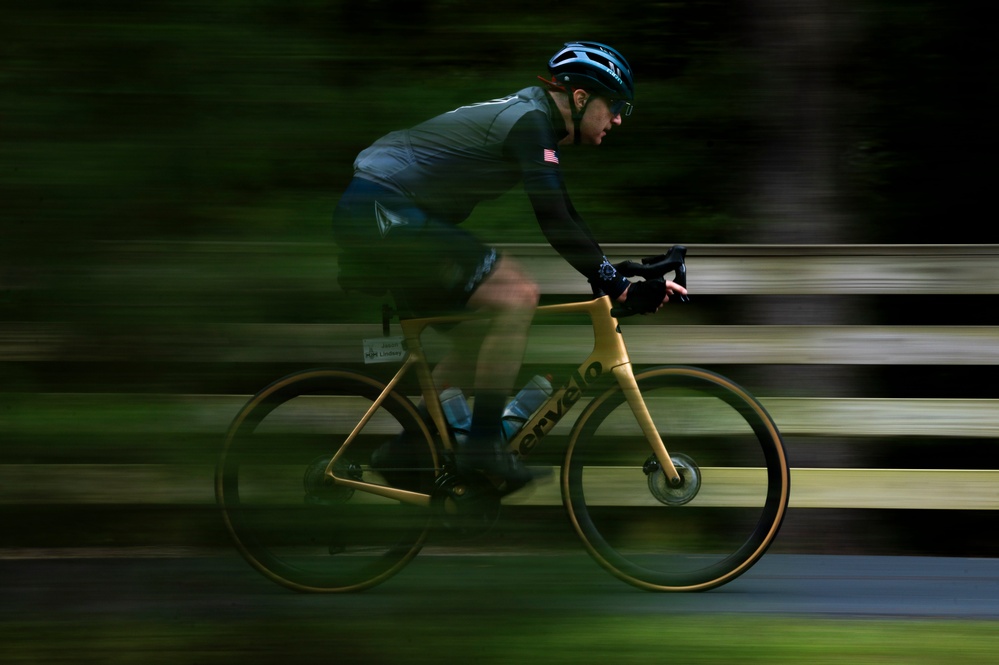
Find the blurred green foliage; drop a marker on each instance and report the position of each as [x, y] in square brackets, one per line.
[241, 119]
[236, 119]
[228, 120]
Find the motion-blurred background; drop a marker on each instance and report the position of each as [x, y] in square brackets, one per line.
[168, 169]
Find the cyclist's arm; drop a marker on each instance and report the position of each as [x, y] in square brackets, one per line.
[530, 141]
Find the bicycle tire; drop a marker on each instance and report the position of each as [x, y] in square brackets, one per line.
[648, 534]
[289, 525]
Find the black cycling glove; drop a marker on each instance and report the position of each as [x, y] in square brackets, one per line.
[645, 297]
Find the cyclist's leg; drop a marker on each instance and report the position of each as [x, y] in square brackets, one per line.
[511, 297]
[457, 366]
[484, 360]
[486, 355]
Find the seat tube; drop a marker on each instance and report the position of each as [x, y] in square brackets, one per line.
[626, 379]
[411, 330]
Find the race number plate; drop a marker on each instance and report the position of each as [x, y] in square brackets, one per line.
[384, 350]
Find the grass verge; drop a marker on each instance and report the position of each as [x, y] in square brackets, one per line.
[480, 639]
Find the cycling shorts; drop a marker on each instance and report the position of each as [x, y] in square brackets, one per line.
[387, 243]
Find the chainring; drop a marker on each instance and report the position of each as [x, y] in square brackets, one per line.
[466, 505]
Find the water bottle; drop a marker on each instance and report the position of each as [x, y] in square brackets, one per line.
[525, 404]
[458, 415]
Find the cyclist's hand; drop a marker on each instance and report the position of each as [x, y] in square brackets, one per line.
[672, 288]
[649, 295]
[646, 297]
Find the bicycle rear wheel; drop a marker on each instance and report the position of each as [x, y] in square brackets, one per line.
[286, 519]
[702, 534]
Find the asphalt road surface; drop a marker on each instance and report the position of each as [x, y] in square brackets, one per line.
[194, 584]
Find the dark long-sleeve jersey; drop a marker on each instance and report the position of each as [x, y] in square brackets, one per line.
[450, 163]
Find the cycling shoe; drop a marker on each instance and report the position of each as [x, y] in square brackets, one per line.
[404, 462]
[495, 460]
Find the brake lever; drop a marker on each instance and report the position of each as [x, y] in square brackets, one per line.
[680, 275]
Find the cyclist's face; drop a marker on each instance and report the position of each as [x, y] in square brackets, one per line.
[597, 121]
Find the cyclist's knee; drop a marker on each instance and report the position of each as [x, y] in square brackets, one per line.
[508, 286]
[535, 296]
[526, 294]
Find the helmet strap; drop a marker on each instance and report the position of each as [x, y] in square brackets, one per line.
[577, 116]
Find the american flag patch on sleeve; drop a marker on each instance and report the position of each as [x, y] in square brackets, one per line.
[551, 156]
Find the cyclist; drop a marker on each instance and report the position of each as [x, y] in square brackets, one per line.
[397, 227]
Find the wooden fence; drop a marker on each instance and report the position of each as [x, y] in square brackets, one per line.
[134, 446]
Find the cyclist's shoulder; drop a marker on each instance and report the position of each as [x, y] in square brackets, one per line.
[533, 103]
[503, 112]
[535, 122]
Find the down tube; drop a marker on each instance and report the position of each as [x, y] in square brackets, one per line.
[559, 404]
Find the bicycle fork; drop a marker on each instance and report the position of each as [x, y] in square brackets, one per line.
[629, 386]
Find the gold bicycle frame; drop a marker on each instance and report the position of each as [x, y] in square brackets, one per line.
[609, 355]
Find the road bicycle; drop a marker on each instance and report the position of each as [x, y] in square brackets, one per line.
[675, 478]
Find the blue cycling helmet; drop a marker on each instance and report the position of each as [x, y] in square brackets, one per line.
[594, 67]
[598, 69]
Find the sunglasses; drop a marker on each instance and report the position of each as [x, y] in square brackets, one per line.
[620, 107]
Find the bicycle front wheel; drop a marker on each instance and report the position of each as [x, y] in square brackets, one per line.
[698, 536]
[284, 514]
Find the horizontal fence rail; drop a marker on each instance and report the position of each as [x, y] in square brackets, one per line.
[312, 344]
[180, 484]
[71, 418]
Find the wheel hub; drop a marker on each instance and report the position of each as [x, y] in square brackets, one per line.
[320, 490]
[667, 493]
